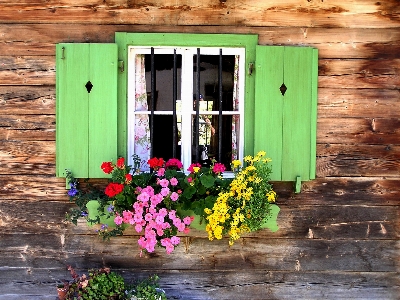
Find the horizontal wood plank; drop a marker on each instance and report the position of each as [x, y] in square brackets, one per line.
[40, 39]
[366, 13]
[200, 254]
[28, 99]
[351, 73]
[354, 221]
[238, 284]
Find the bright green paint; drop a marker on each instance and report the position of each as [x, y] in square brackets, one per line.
[269, 105]
[249, 42]
[86, 132]
[285, 124]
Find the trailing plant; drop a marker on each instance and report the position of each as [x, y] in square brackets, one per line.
[156, 203]
[246, 205]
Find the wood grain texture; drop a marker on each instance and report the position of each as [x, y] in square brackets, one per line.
[354, 14]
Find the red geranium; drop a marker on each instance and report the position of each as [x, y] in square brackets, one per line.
[107, 167]
[218, 168]
[128, 178]
[155, 162]
[174, 163]
[121, 163]
[113, 189]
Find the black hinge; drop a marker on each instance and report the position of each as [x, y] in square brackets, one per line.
[121, 66]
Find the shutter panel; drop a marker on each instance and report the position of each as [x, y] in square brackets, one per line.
[86, 131]
[269, 106]
[286, 123]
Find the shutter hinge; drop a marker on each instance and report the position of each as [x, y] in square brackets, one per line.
[251, 68]
[121, 66]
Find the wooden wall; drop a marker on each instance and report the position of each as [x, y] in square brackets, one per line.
[338, 239]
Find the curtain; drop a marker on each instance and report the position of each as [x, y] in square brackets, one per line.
[142, 128]
[235, 118]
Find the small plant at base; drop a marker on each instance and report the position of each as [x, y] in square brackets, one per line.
[101, 284]
[147, 289]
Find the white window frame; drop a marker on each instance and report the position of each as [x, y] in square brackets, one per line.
[187, 91]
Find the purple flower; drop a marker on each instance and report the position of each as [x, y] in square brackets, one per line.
[72, 192]
[110, 208]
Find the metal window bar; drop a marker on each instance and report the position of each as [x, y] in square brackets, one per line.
[174, 98]
[196, 121]
[220, 107]
[153, 95]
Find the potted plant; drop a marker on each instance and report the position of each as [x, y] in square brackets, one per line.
[62, 289]
[102, 284]
[96, 285]
[147, 289]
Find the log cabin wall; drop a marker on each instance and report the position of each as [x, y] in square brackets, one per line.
[338, 238]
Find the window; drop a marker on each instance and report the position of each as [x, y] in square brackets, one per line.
[99, 114]
[205, 78]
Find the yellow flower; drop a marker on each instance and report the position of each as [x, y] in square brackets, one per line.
[261, 153]
[236, 163]
[248, 158]
[271, 196]
[196, 169]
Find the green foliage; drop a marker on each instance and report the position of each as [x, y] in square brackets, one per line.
[100, 284]
[147, 289]
[201, 187]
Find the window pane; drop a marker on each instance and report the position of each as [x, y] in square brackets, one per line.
[163, 137]
[163, 64]
[209, 85]
[209, 138]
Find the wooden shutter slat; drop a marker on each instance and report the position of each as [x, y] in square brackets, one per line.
[269, 105]
[86, 120]
[285, 124]
[72, 109]
[297, 113]
[102, 107]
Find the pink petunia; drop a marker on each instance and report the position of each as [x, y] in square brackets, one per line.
[175, 240]
[187, 220]
[174, 181]
[164, 182]
[174, 196]
[161, 172]
[165, 191]
[118, 220]
[138, 228]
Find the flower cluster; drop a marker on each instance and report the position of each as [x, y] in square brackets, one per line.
[246, 204]
[146, 201]
[160, 204]
[202, 186]
[156, 222]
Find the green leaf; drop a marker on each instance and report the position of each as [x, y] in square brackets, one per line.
[207, 181]
[189, 192]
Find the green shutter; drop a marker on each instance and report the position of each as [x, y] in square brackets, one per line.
[285, 125]
[86, 130]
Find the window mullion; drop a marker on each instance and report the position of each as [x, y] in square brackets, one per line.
[187, 106]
